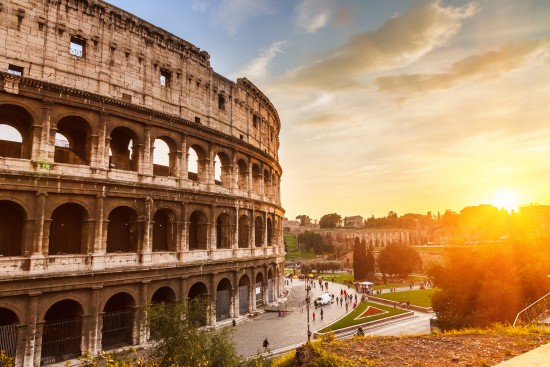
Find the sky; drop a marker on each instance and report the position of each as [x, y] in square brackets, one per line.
[409, 106]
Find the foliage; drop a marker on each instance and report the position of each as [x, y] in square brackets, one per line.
[398, 259]
[488, 284]
[180, 340]
[332, 220]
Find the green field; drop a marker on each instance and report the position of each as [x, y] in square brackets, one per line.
[418, 297]
[349, 319]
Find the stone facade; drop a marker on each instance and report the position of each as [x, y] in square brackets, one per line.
[96, 221]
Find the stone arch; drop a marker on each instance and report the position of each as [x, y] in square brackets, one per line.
[244, 231]
[76, 146]
[242, 174]
[163, 154]
[119, 318]
[256, 178]
[222, 170]
[164, 230]
[258, 231]
[68, 230]
[12, 221]
[164, 294]
[197, 171]
[223, 299]
[21, 120]
[124, 149]
[269, 224]
[244, 294]
[62, 332]
[223, 231]
[122, 230]
[198, 230]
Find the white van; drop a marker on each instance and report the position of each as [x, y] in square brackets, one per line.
[323, 299]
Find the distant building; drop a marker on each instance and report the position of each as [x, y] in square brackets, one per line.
[354, 221]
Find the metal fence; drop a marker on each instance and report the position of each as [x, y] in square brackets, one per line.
[117, 329]
[61, 340]
[8, 339]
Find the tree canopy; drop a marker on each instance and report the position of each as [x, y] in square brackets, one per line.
[332, 220]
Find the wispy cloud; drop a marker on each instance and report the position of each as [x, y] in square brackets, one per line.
[232, 13]
[398, 42]
[257, 69]
[487, 65]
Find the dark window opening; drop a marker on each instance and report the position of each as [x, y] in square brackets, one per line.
[165, 78]
[77, 47]
[15, 70]
[221, 102]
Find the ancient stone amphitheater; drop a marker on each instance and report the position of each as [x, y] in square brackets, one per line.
[130, 173]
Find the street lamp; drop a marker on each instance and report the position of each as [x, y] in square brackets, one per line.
[308, 288]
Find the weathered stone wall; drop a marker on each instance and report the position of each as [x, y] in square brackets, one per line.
[123, 57]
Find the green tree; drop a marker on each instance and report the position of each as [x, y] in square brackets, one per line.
[398, 259]
[180, 340]
[332, 220]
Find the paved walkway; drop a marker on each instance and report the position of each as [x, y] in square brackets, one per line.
[292, 329]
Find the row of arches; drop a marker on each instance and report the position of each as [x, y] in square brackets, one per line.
[64, 328]
[70, 229]
[152, 151]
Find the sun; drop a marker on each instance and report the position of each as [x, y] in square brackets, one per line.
[506, 198]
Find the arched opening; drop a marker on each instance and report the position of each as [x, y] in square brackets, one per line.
[15, 132]
[269, 232]
[223, 300]
[256, 178]
[244, 232]
[12, 217]
[124, 151]
[66, 230]
[164, 294]
[118, 321]
[242, 174]
[198, 229]
[267, 183]
[72, 144]
[196, 163]
[259, 289]
[122, 233]
[222, 170]
[244, 294]
[258, 231]
[8, 331]
[164, 159]
[164, 231]
[198, 303]
[62, 333]
[223, 231]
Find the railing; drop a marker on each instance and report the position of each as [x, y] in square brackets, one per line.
[535, 310]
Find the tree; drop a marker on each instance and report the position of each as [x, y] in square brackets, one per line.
[181, 341]
[398, 259]
[332, 220]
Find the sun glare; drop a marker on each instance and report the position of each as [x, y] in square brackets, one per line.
[506, 198]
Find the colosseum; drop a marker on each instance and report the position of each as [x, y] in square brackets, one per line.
[130, 173]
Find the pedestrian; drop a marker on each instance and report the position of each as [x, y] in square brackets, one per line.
[322, 314]
[266, 345]
[313, 315]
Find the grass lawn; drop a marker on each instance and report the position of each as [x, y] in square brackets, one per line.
[418, 297]
[349, 319]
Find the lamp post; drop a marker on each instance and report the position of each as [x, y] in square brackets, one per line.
[308, 288]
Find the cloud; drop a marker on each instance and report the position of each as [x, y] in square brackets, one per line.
[398, 42]
[257, 68]
[488, 65]
[232, 13]
[311, 15]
